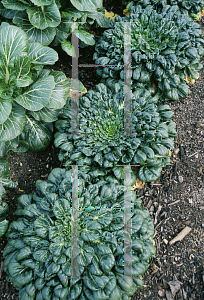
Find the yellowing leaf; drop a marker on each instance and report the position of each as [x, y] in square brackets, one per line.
[21, 190]
[110, 15]
[189, 80]
[126, 12]
[74, 93]
[138, 185]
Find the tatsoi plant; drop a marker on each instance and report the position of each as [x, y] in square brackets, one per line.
[101, 141]
[190, 7]
[39, 254]
[49, 21]
[30, 96]
[165, 47]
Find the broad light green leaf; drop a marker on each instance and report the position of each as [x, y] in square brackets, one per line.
[37, 134]
[41, 55]
[5, 110]
[86, 5]
[41, 18]
[24, 81]
[38, 95]
[45, 114]
[43, 36]
[14, 125]
[86, 37]
[58, 99]
[12, 41]
[22, 64]
[67, 47]
[42, 2]
[15, 5]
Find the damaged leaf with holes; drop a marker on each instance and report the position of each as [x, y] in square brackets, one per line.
[166, 47]
[101, 140]
[39, 254]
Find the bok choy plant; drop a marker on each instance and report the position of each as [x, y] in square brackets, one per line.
[50, 21]
[30, 96]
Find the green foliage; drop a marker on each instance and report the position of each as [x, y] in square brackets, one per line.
[101, 141]
[30, 97]
[165, 47]
[39, 254]
[3, 214]
[49, 21]
[186, 6]
[5, 182]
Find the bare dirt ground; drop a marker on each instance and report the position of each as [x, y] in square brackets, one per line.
[175, 200]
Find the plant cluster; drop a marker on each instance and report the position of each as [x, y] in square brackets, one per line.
[39, 250]
[30, 96]
[50, 21]
[191, 7]
[101, 141]
[68, 242]
[166, 47]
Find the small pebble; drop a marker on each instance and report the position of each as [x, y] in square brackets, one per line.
[176, 151]
[165, 241]
[161, 293]
[151, 208]
[180, 178]
[20, 164]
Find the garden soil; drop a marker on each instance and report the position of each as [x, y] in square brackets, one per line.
[175, 200]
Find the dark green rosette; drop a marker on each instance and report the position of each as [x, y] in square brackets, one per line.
[41, 246]
[166, 48]
[190, 7]
[101, 141]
